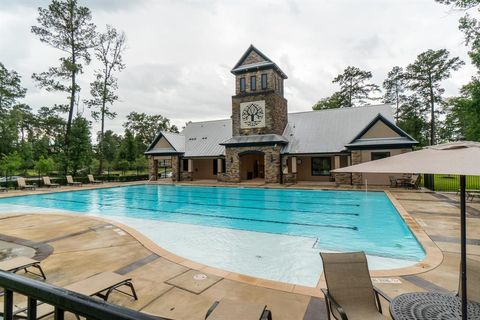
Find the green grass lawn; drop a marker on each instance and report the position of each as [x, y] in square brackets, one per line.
[452, 183]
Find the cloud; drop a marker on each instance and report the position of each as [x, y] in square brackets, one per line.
[180, 52]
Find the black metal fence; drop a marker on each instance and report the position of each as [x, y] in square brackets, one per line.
[62, 300]
[451, 183]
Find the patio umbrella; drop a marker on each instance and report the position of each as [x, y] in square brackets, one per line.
[457, 158]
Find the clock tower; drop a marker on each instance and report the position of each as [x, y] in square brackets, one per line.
[258, 106]
[259, 117]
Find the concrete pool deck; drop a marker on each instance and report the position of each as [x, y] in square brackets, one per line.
[82, 246]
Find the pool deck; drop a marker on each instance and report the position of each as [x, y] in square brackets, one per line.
[73, 247]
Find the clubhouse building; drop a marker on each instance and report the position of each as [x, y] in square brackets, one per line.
[262, 141]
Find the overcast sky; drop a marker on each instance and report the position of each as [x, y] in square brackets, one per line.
[180, 52]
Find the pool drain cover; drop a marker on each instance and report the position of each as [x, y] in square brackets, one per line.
[199, 277]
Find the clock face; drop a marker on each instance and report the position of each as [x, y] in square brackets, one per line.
[252, 114]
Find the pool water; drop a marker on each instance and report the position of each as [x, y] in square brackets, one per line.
[219, 224]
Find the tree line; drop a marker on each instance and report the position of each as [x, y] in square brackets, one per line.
[416, 90]
[59, 137]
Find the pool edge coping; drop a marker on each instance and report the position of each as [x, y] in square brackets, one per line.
[433, 258]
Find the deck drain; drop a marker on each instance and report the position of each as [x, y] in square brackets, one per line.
[258, 257]
[200, 277]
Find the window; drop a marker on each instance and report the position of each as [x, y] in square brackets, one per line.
[264, 81]
[321, 166]
[380, 155]
[253, 83]
[215, 167]
[242, 85]
[185, 164]
[224, 168]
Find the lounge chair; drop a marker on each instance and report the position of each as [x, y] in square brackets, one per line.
[100, 285]
[414, 182]
[70, 182]
[473, 194]
[350, 294]
[3, 189]
[22, 263]
[92, 180]
[22, 184]
[235, 310]
[49, 184]
[393, 182]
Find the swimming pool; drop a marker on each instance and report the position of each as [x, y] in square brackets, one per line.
[268, 233]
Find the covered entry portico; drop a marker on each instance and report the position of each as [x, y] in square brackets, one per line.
[252, 165]
[254, 157]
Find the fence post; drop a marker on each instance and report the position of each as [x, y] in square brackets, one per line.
[429, 181]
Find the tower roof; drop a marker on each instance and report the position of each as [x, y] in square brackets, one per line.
[254, 59]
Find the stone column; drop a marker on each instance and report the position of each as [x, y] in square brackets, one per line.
[175, 168]
[357, 178]
[190, 165]
[152, 169]
[232, 165]
[272, 165]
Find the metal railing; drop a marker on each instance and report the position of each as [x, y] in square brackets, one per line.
[62, 300]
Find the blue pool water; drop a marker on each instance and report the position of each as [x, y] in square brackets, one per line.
[334, 220]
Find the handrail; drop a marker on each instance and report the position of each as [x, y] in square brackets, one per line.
[63, 300]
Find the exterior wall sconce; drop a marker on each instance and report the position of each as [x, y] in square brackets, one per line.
[299, 161]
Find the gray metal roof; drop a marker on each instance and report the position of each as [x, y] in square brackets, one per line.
[381, 142]
[238, 68]
[256, 140]
[328, 131]
[253, 66]
[176, 140]
[202, 139]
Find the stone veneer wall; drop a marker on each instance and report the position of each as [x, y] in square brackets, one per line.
[343, 178]
[289, 178]
[186, 176]
[175, 168]
[276, 114]
[271, 162]
[357, 178]
[152, 169]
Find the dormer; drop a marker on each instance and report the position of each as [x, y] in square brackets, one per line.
[256, 73]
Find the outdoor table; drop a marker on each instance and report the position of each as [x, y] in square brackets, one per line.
[431, 306]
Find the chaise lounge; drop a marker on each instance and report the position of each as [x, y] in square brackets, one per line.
[22, 263]
[350, 294]
[234, 310]
[3, 189]
[22, 184]
[47, 183]
[92, 180]
[100, 285]
[70, 182]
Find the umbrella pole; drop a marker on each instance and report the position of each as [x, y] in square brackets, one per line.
[463, 245]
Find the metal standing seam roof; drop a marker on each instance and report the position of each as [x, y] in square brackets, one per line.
[328, 131]
[176, 141]
[202, 139]
[381, 141]
[256, 139]
[325, 131]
